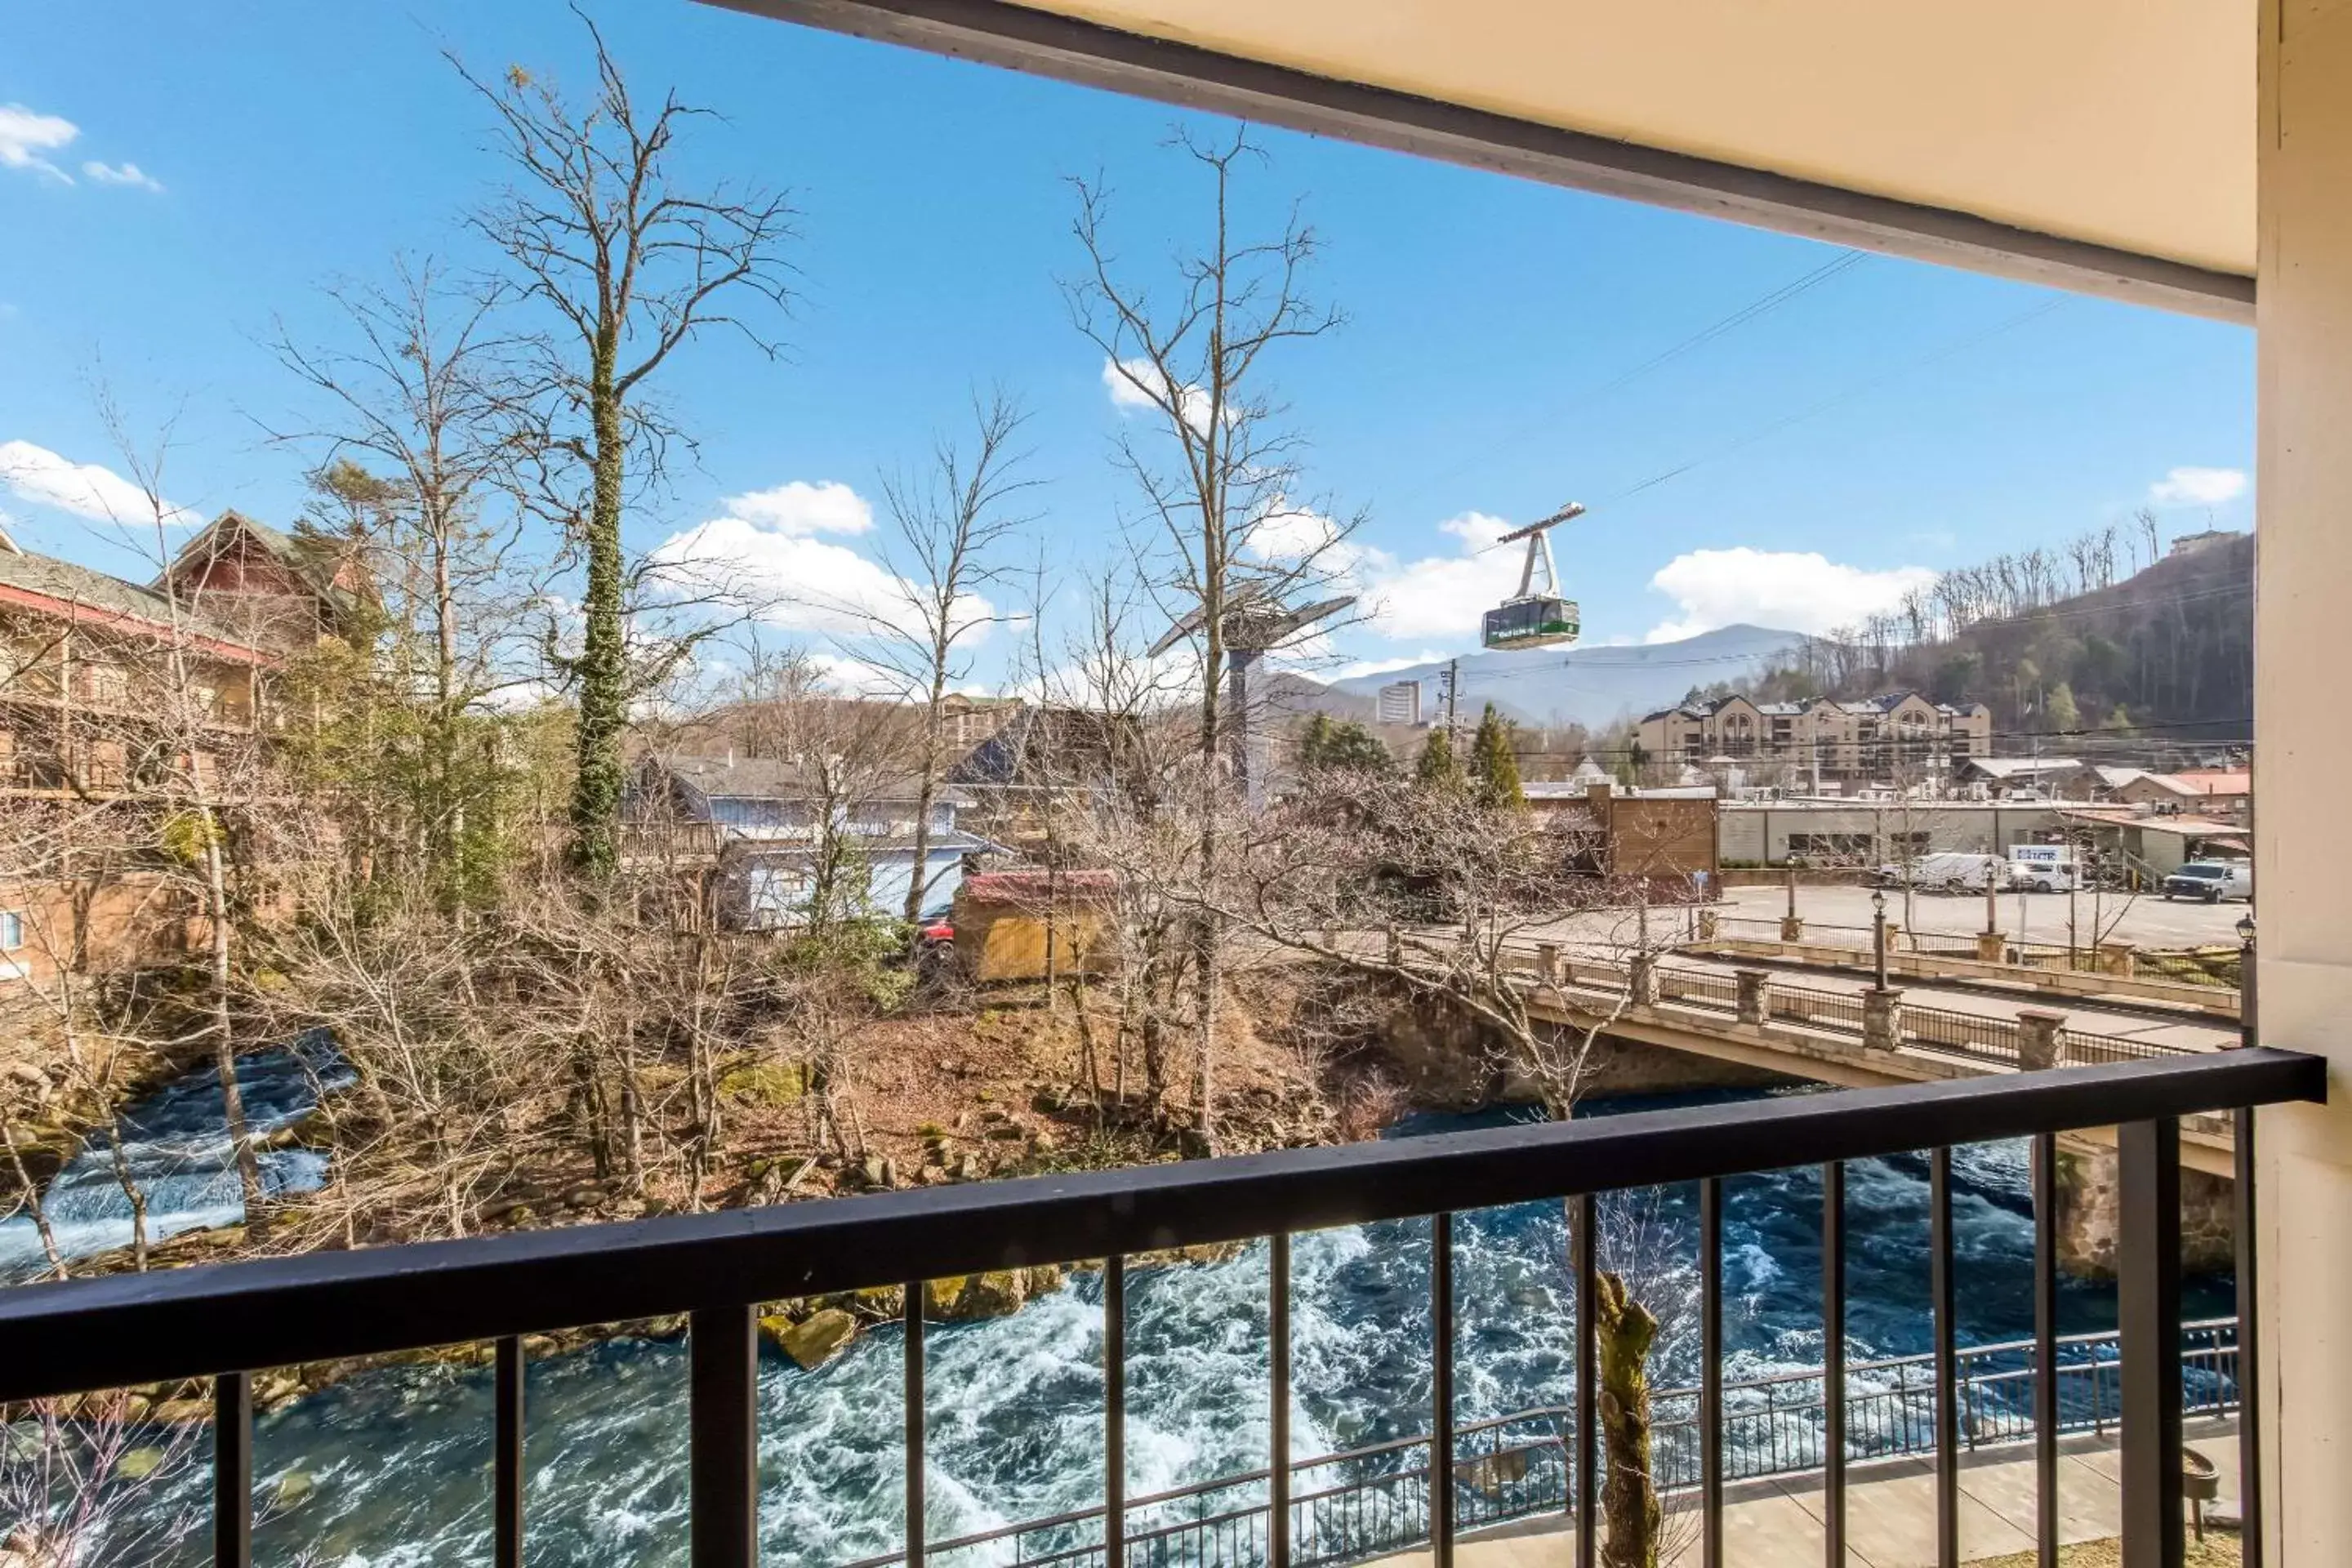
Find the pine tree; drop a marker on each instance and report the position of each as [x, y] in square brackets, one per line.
[2059, 710]
[1437, 766]
[1494, 770]
[1347, 744]
[1315, 743]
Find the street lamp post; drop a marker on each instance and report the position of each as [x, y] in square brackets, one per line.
[1878, 932]
[2246, 1023]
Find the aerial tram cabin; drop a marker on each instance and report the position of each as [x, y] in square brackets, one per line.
[1529, 618]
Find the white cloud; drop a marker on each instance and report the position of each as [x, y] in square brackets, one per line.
[121, 174]
[1442, 595]
[24, 136]
[800, 509]
[1797, 591]
[761, 555]
[90, 491]
[2198, 486]
[1136, 385]
[1120, 378]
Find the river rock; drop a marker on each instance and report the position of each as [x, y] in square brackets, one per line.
[817, 1340]
[138, 1464]
[293, 1487]
[180, 1410]
[587, 1195]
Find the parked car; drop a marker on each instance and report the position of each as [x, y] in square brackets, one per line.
[2212, 880]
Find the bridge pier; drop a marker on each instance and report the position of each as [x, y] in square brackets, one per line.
[2089, 1192]
[1882, 1020]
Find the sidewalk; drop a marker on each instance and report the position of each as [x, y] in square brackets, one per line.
[1890, 1512]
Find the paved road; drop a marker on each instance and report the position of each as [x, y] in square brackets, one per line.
[2145, 919]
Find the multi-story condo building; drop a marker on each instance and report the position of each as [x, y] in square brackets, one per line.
[1874, 738]
[120, 703]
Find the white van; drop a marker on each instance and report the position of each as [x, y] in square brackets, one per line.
[1953, 871]
[2043, 867]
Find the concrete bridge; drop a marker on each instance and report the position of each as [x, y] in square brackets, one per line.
[1829, 1024]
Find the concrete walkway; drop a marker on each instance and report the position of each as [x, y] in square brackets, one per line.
[1890, 1512]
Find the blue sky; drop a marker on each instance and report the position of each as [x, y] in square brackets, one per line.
[176, 180]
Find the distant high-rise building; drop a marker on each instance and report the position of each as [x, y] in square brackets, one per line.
[1400, 703]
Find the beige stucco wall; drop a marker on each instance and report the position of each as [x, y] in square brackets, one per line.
[2124, 122]
[2302, 639]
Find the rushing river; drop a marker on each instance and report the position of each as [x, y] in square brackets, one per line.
[177, 1151]
[393, 1467]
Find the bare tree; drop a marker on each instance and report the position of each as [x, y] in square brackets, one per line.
[1219, 474]
[418, 447]
[98, 1486]
[951, 523]
[631, 266]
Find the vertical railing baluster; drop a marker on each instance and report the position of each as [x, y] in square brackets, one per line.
[1834, 1361]
[723, 1381]
[1441, 1389]
[1588, 1292]
[232, 1471]
[918, 1427]
[1710, 1372]
[1946, 1396]
[2249, 1357]
[507, 1437]
[2147, 1311]
[1279, 1345]
[1115, 1413]
[2045, 1349]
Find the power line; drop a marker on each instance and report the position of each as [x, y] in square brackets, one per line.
[1763, 305]
[1837, 400]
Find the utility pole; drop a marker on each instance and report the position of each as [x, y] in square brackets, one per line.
[1452, 700]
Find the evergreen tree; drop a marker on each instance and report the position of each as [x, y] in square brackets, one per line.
[2059, 710]
[1494, 770]
[1315, 743]
[1347, 744]
[1437, 766]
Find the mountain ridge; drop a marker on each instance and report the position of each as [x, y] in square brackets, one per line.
[1595, 686]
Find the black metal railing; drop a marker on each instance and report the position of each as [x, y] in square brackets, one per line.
[1368, 1501]
[222, 1322]
[1969, 1034]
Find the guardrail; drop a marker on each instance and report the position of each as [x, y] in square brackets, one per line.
[1978, 1037]
[1368, 1501]
[221, 1323]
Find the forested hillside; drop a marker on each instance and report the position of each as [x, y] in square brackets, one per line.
[2164, 655]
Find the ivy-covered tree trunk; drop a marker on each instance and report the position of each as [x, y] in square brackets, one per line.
[602, 673]
[1623, 1330]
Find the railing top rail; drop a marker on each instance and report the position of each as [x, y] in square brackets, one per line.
[140, 1327]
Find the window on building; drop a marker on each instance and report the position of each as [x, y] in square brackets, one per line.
[12, 931]
[1831, 848]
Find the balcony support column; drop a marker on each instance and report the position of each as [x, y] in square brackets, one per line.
[2302, 639]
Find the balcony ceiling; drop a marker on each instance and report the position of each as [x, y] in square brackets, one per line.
[2128, 124]
[2125, 125]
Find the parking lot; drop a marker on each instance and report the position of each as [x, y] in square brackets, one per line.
[2143, 919]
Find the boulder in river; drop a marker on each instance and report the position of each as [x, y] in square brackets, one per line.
[816, 1339]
